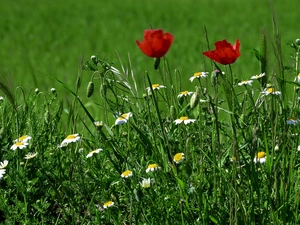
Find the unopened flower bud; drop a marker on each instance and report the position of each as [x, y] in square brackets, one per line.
[297, 42]
[194, 100]
[94, 59]
[36, 91]
[53, 90]
[90, 89]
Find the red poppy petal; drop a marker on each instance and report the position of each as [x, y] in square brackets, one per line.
[223, 44]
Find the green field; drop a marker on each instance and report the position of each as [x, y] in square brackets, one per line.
[46, 44]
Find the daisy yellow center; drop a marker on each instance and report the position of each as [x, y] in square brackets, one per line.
[178, 157]
[22, 138]
[107, 204]
[20, 143]
[261, 155]
[72, 136]
[184, 92]
[127, 173]
[155, 85]
[299, 75]
[270, 90]
[245, 81]
[153, 166]
[199, 74]
[292, 119]
[123, 116]
[184, 118]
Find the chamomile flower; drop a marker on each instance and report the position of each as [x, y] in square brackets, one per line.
[19, 145]
[24, 138]
[185, 120]
[108, 204]
[256, 77]
[245, 82]
[152, 167]
[198, 75]
[184, 93]
[123, 118]
[30, 155]
[155, 87]
[178, 158]
[261, 157]
[292, 120]
[3, 164]
[96, 151]
[146, 183]
[2, 172]
[297, 79]
[126, 174]
[98, 123]
[69, 139]
[271, 90]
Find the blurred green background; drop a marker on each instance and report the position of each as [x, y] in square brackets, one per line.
[41, 37]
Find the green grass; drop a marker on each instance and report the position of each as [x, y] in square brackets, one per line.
[46, 44]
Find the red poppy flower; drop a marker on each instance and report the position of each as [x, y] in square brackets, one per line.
[225, 53]
[156, 43]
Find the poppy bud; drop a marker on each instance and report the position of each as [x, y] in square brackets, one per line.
[156, 63]
[90, 89]
[194, 100]
[36, 91]
[297, 42]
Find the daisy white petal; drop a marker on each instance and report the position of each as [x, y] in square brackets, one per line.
[19, 145]
[3, 164]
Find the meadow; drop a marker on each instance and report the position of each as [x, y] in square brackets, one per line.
[88, 137]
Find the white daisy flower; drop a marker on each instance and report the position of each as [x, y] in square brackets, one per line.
[155, 87]
[152, 167]
[178, 158]
[123, 118]
[108, 204]
[198, 75]
[184, 93]
[297, 79]
[126, 174]
[96, 151]
[185, 120]
[261, 157]
[292, 120]
[256, 77]
[146, 183]
[245, 82]
[271, 90]
[30, 155]
[69, 139]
